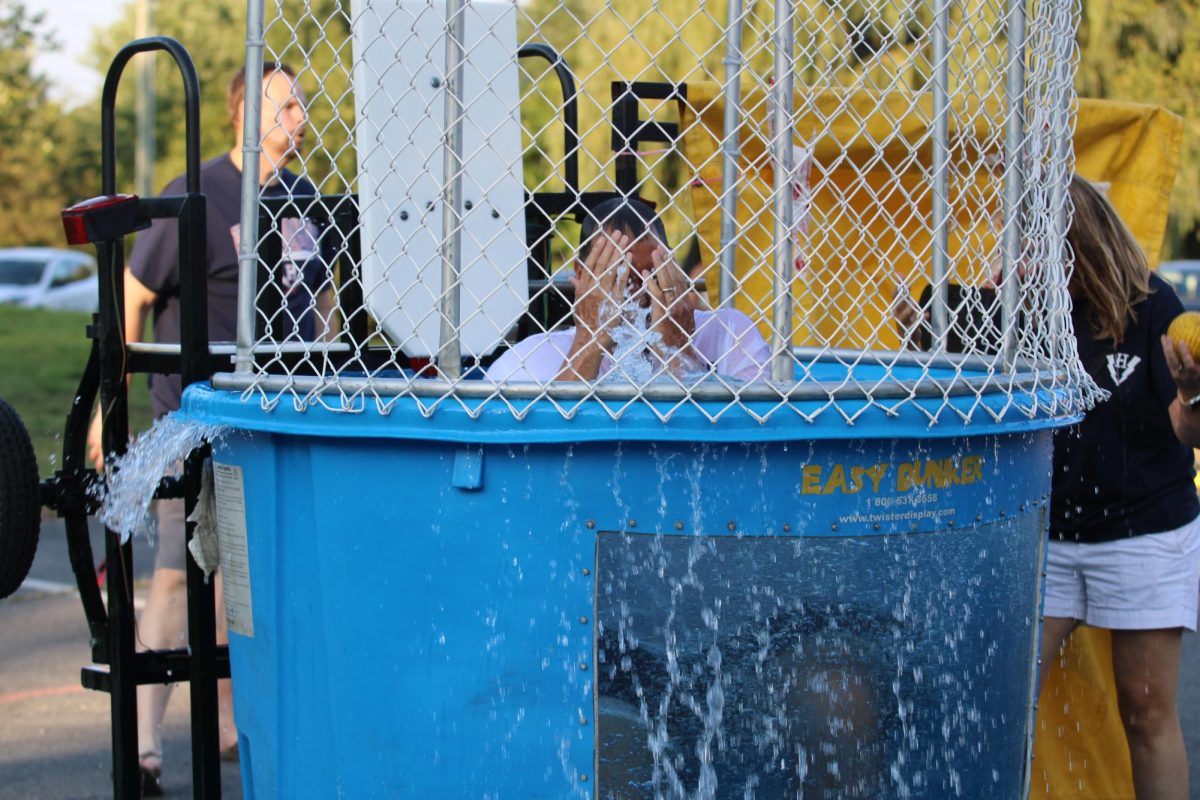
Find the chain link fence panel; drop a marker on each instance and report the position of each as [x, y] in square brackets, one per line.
[730, 207]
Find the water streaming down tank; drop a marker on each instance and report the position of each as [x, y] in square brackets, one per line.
[825, 585]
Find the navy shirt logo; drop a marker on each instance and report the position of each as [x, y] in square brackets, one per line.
[1121, 366]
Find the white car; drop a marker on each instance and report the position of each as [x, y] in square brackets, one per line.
[48, 277]
[1184, 277]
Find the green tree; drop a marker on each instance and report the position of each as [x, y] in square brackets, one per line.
[312, 37]
[214, 35]
[40, 171]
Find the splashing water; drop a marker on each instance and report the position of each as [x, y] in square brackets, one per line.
[633, 342]
[126, 492]
[631, 339]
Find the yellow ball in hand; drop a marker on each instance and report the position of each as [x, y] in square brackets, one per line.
[1186, 328]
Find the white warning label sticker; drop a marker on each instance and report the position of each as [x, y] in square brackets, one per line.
[235, 557]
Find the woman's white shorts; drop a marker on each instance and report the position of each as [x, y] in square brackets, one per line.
[1139, 583]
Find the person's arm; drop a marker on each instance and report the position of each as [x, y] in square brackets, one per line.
[1185, 417]
[138, 302]
[599, 292]
[908, 316]
[672, 313]
[583, 359]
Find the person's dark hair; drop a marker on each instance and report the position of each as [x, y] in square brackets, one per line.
[630, 216]
[236, 93]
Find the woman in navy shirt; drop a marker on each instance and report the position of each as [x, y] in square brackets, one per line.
[1124, 549]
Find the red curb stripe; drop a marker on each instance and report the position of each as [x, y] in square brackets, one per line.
[31, 694]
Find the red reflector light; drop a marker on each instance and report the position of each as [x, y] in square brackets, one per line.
[75, 228]
[102, 219]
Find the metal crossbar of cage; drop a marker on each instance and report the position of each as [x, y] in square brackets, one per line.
[862, 204]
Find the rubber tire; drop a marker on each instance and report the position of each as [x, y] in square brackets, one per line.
[20, 503]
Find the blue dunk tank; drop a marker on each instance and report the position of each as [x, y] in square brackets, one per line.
[822, 582]
[459, 608]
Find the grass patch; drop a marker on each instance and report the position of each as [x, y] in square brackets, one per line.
[42, 356]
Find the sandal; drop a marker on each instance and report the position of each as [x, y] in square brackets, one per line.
[150, 767]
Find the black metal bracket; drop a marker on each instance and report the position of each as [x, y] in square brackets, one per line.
[542, 209]
[70, 493]
[629, 130]
[570, 110]
[151, 667]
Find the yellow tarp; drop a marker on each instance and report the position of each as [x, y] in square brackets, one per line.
[869, 147]
[1137, 149]
[1080, 749]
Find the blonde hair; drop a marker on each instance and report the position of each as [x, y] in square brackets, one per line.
[1110, 268]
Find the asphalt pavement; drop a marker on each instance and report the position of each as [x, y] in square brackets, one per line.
[54, 735]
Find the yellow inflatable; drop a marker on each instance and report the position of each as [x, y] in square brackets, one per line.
[871, 213]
